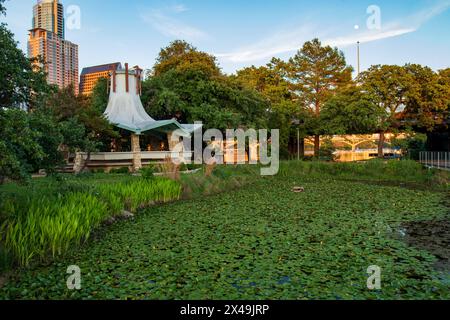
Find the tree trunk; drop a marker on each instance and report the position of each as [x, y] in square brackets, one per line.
[381, 146]
[317, 137]
[316, 146]
[302, 148]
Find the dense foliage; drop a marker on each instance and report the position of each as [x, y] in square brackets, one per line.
[188, 85]
[22, 85]
[18, 147]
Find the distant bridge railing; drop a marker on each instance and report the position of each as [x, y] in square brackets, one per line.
[436, 160]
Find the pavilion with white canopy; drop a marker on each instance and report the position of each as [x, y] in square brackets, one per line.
[125, 110]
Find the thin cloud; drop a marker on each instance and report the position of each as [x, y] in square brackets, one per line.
[179, 8]
[276, 44]
[170, 26]
[286, 42]
[367, 37]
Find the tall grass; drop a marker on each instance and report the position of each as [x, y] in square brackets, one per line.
[223, 178]
[47, 226]
[140, 193]
[51, 227]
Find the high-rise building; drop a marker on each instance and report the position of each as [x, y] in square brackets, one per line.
[59, 57]
[49, 15]
[90, 76]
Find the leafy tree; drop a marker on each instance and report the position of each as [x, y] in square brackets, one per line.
[2, 8]
[351, 111]
[327, 150]
[191, 96]
[271, 83]
[411, 145]
[268, 80]
[21, 85]
[86, 118]
[390, 87]
[187, 85]
[315, 73]
[182, 56]
[18, 145]
[100, 96]
[444, 80]
[49, 137]
[427, 101]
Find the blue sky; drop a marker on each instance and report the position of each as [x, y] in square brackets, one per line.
[249, 32]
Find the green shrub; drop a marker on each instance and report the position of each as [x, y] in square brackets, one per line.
[123, 170]
[85, 174]
[148, 173]
[193, 166]
[223, 172]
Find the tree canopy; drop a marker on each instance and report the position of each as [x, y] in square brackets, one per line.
[183, 57]
[271, 83]
[2, 8]
[188, 85]
[428, 98]
[351, 111]
[21, 85]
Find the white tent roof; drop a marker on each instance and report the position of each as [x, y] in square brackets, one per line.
[125, 109]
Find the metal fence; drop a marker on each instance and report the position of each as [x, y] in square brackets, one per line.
[437, 160]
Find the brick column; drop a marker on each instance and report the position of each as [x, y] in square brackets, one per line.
[136, 149]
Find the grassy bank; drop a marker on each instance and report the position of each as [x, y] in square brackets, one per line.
[405, 171]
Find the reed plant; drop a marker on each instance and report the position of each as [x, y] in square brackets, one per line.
[43, 227]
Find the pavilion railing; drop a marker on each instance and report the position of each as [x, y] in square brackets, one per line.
[435, 159]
